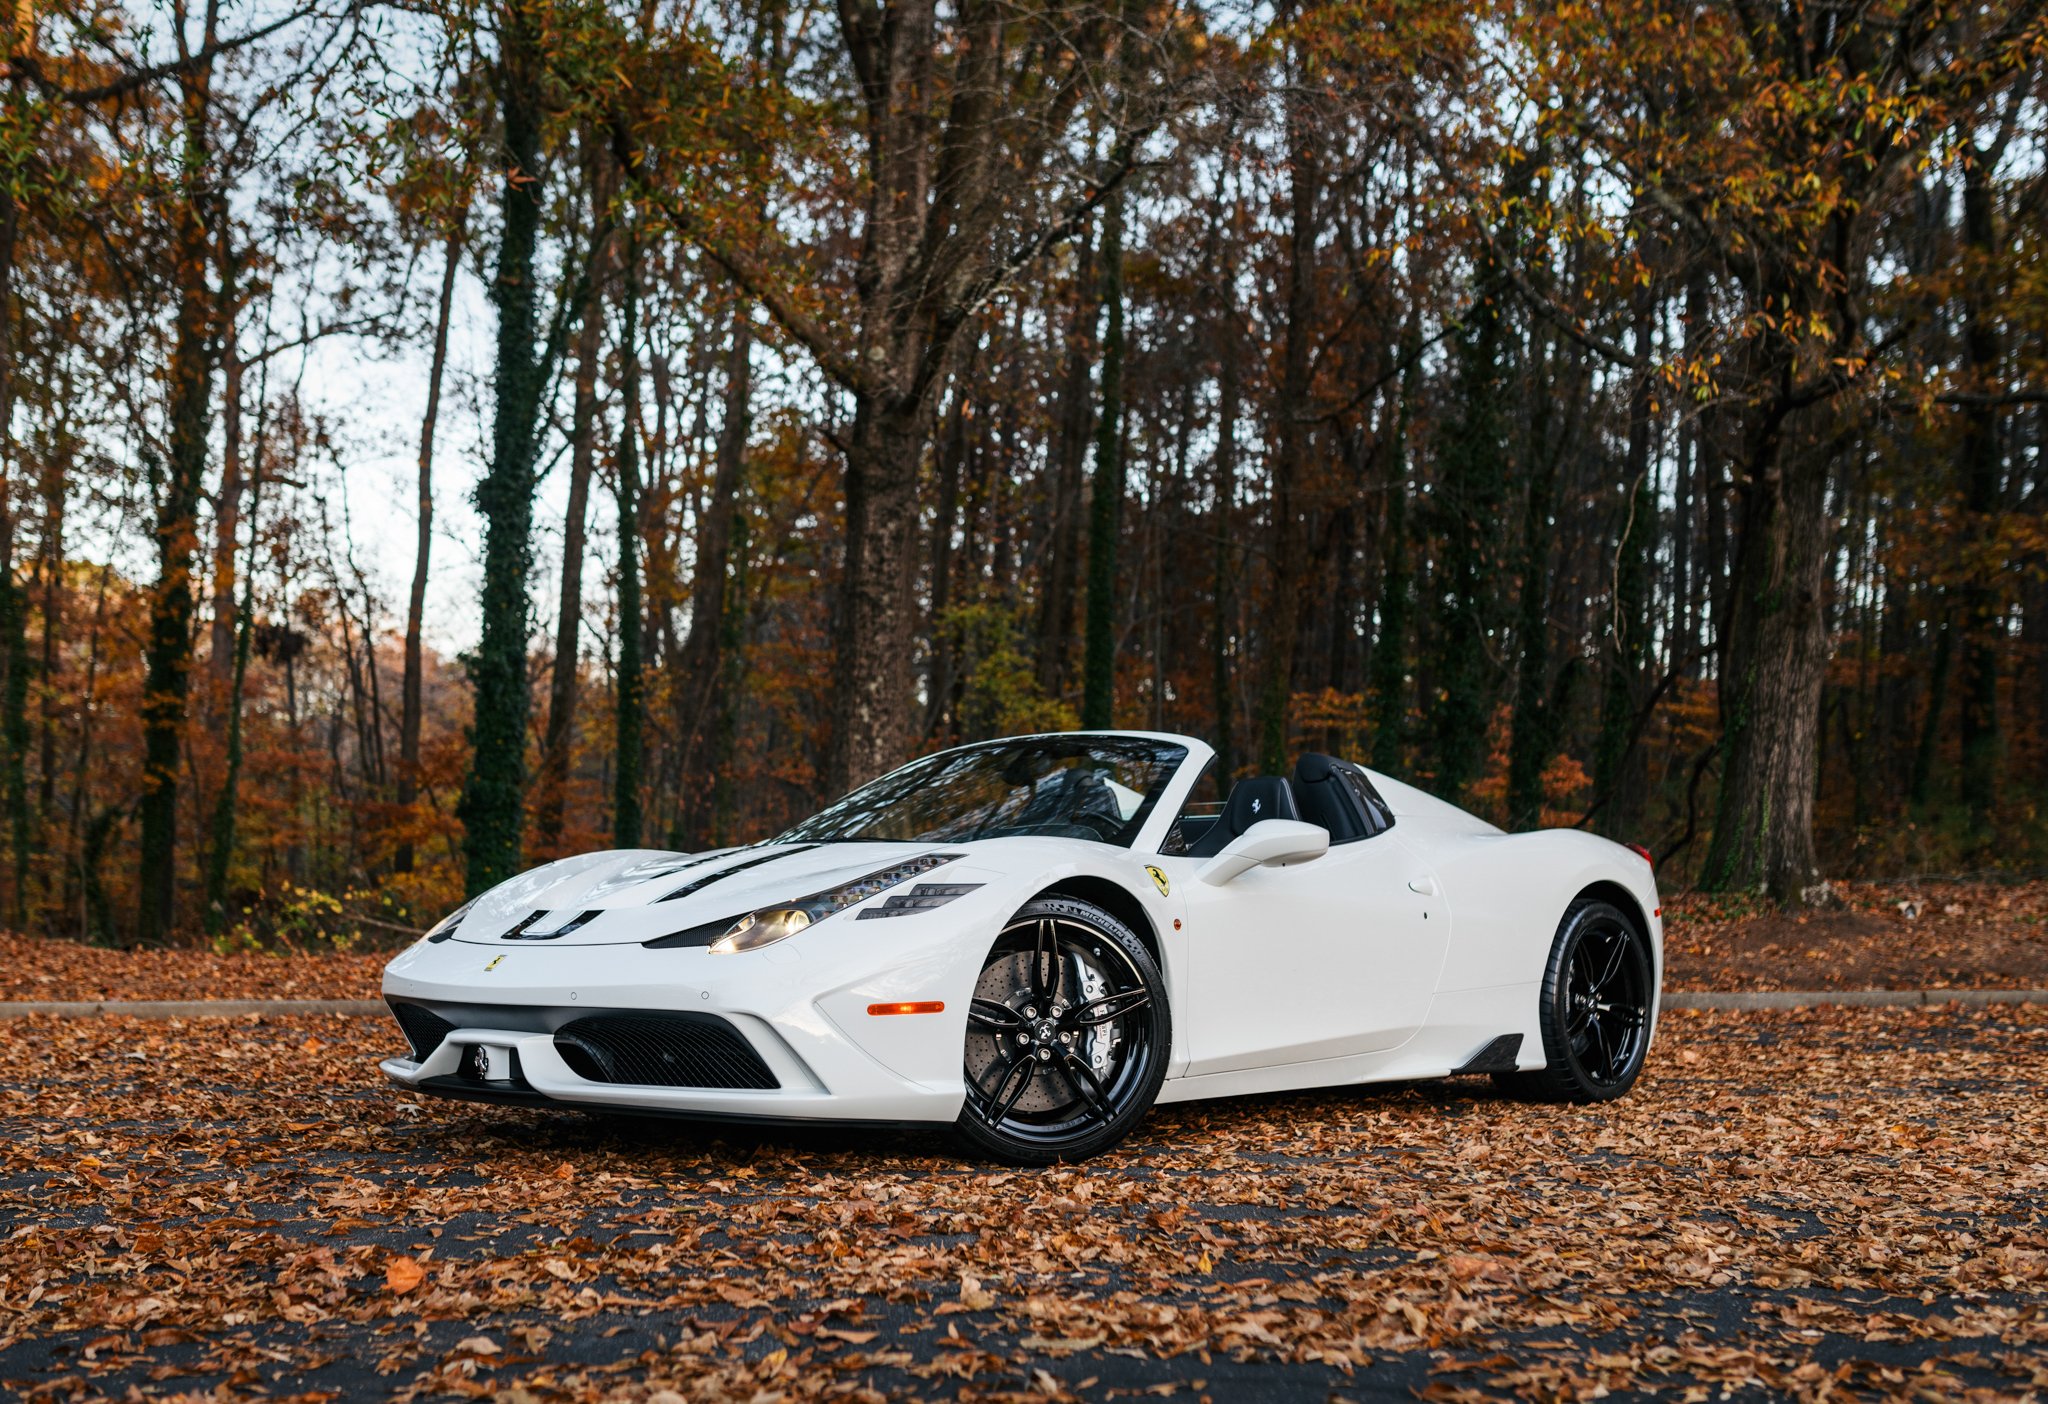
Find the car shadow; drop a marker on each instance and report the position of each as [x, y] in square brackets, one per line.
[714, 1145]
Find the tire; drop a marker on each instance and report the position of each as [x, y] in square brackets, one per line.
[1073, 1077]
[1599, 1004]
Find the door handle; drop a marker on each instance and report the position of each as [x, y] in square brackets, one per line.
[1425, 885]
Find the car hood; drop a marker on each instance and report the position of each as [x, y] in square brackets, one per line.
[637, 895]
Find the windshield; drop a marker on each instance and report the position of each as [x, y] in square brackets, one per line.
[1084, 787]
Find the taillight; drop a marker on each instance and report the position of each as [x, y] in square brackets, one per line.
[1641, 852]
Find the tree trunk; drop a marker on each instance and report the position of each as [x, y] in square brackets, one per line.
[221, 850]
[1712, 587]
[630, 700]
[492, 807]
[168, 653]
[1290, 458]
[1535, 727]
[1223, 565]
[1459, 689]
[732, 686]
[56, 485]
[1105, 507]
[14, 731]
[81, 766]
[876, 613]
[1777, 663]
[416, 602]
[1619, 777]
[1691, 483]
[1920, 782]
[1983, 622]
[1389, 673]
[1070, 447]
[939, 629]
[551, 779]
[227, 505]
[706, 701]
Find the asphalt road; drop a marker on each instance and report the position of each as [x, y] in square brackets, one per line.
[1810, 1203]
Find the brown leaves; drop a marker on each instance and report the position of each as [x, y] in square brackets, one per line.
[33, 968]
[1882, 936]
[1806, 1180]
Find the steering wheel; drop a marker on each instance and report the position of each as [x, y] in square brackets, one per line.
[1107, 827]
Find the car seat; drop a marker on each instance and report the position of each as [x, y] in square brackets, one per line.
[1252, 799]
[1326, 799]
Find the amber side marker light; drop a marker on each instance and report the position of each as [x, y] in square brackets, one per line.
[922, 1006]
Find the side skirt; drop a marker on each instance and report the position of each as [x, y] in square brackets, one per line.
[1497, 1056]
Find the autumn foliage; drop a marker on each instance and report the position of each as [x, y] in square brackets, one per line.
[1620, 415]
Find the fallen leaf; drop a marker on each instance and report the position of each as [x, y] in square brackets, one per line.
[402, 1275]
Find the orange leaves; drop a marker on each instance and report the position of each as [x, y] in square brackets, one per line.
[403, 1275]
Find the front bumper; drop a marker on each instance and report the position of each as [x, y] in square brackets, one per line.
[542, 1078]
[802, 1006]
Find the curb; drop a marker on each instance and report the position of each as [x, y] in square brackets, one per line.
[186, 1008]
[1814, 999]
[1726, 1000]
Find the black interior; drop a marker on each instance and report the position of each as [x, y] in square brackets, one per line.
[1324, 791]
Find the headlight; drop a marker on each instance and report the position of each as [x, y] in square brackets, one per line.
[771, 924]
[757, 929]
[445, 927]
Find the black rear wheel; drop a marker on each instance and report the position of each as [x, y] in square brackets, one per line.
[1599, 1004]
[1067, 1038]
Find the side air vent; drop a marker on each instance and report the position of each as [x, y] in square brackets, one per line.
[925, 897]
[1499, 1055]
[424, 1029]
[662, 1050]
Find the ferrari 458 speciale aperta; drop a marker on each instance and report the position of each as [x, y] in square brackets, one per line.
[1036, 939]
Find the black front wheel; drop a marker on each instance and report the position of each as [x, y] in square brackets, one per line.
[1599, 1004]
[1067, 1038]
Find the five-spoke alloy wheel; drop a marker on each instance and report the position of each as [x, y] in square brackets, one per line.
[1067, 1036]
[1599, 1004]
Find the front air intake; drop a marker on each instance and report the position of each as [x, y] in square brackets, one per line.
[424, 1029]
[662, 1050]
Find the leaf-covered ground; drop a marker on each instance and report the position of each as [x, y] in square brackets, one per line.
[1884, 936]
[1823, 1203]
[35, 968]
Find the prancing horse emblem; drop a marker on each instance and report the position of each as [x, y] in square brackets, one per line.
[1159, 881]
[494, 963]
[1255, 806]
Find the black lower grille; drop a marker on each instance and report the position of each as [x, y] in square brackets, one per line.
[424, 1029]
[662, 1050]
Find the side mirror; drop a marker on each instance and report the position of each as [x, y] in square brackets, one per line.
[1270, 843]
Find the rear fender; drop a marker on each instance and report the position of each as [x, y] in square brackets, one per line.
[1507, 893]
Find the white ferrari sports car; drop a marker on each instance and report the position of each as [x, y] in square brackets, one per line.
[1036, 939]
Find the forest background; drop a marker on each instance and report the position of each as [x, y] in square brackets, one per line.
[444, 435]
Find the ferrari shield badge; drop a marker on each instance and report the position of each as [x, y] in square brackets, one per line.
[494, 963]
[1159, 881]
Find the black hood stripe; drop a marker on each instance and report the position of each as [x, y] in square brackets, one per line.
[699, 884]
[700, 862]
